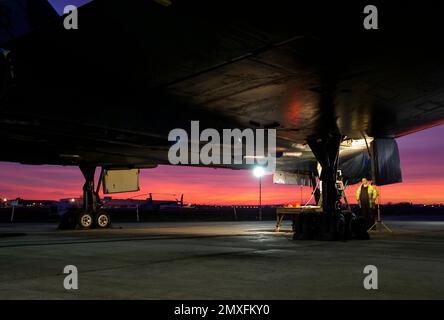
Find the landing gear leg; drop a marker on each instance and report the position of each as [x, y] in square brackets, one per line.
[87, 216]
[326, 151]
[90, 215]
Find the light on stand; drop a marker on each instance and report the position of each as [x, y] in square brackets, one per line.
[258, 172]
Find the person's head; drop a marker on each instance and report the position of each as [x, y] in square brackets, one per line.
[364, 181]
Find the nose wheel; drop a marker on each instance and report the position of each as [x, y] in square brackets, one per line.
[102, 220]
[89, 220]
[86, 220]
[90, 216]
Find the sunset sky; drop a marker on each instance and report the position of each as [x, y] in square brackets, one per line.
[422, 155]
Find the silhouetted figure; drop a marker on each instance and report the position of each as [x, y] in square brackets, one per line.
[366, 197]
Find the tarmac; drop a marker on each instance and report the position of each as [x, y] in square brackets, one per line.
[218, 260]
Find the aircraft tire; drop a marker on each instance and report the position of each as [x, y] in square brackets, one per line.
[86, 220]
[102, 220]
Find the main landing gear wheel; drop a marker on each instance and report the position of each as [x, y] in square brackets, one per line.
[86, 220]
[102, 220]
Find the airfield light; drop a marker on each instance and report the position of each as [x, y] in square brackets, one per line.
[258, 172]
[73, 200]
[5, 200]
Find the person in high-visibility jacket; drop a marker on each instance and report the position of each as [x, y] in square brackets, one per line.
[366, 196]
